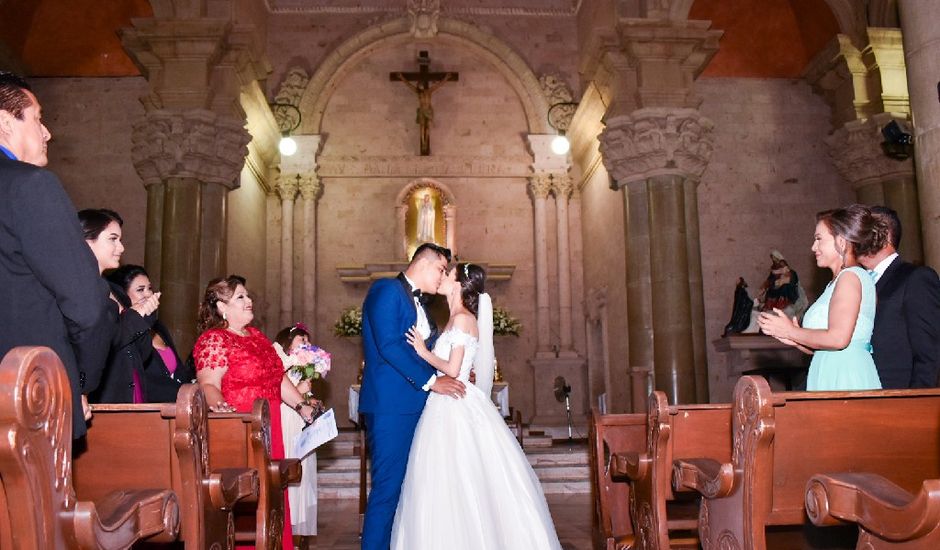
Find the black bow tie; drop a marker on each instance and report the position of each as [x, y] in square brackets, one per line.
[422, 298]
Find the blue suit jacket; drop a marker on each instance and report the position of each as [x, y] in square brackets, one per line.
[394, 374]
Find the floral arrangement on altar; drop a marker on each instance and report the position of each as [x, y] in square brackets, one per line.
[308, 362]
[504, 324]
[349, 322]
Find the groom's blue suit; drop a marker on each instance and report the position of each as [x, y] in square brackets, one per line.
[391, 399]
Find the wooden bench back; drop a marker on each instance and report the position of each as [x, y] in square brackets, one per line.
[609, 434]
[244, 440]
[782, 440]
[163, 446]
[892, 433]
[38, 503]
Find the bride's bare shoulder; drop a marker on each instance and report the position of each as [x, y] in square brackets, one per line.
[466, 322]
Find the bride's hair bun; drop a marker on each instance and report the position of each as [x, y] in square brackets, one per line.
[472, 279]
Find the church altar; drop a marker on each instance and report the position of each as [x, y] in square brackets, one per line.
[784, 366]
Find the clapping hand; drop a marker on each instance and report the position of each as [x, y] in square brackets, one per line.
[776, 323]
[147, 305]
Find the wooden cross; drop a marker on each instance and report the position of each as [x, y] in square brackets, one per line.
[425, 83]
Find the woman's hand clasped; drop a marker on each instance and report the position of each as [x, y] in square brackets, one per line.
[221, 406]
[776, 323]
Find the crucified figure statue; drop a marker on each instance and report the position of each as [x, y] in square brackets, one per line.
[424, 83]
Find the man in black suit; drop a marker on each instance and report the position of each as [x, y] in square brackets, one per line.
[51, 293]
[906, 339]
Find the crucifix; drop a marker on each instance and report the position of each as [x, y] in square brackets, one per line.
[424, 83]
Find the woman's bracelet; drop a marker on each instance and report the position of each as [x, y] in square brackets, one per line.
[300, 405]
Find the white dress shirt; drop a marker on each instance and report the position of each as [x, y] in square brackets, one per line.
[882, 266]
[424, 328]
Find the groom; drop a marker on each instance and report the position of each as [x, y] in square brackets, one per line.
[396, 382]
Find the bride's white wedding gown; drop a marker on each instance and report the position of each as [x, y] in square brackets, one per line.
[468, 484]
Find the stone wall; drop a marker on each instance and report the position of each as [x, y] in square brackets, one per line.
[90, 120]
[768, 176]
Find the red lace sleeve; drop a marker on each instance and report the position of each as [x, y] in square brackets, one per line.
[210, 351]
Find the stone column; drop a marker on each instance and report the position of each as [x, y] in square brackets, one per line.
[450, 214]
[188, 161]
[310, 191]
[922, 58]
[201, 61]
[657, 156]
[562, 187]
[287, 189]
[540, 185]
[856, 150]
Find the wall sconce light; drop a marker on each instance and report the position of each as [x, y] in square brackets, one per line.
[559, 118]
[288, 119]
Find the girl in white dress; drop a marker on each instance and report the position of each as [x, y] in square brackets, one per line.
[303, 496]
[468, 484]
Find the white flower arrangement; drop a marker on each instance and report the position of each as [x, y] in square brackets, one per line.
[349, 322]
[504, 324]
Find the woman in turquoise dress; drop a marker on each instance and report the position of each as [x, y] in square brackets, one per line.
[837, 327]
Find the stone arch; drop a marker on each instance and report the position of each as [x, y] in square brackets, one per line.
[449, 207]
[500, 55]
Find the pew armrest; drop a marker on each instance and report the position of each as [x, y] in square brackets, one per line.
[287, 471]
[124, 517]
[876, 504]
[709, 477]
[629, 465]
[229, 485]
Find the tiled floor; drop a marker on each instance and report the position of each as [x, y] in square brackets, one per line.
[339, 523]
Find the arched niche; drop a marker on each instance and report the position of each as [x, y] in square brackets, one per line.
[425, 208]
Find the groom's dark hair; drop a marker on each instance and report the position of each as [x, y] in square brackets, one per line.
[429, 250]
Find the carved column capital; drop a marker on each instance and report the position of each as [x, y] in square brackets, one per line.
[562, 186]
[191, 144]
[287, 186]
[856, 150]
[310, 186]
[655, 142]
[540, 185]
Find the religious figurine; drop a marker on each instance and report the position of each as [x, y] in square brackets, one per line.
[425, 84]
[424, 15]
[426, 215]
[782, 288]
[741, 311]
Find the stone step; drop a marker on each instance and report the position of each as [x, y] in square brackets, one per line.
[560, 469]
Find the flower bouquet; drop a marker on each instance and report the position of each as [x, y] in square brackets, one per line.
[504, 324]
[308, 362]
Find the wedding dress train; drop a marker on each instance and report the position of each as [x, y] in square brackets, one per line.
[468, 485]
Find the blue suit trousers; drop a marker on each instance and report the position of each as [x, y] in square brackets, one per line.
[389, 439]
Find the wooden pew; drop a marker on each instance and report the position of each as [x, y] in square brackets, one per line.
[165, 446]
[888, 517]
[675, 433]
[39, 508]
[244, 440]
[782, 440]
[609, 434]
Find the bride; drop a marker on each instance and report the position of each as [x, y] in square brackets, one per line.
[468, 484]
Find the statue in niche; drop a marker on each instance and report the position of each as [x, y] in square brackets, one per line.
[424, 218]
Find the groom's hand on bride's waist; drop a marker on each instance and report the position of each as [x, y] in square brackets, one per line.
[448, 385]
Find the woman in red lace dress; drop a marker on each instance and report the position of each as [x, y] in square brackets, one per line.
[236, 364]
